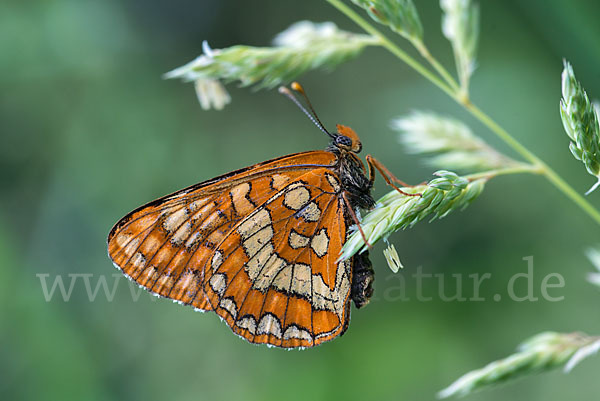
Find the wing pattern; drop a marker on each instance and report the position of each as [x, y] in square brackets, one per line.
[258, 246]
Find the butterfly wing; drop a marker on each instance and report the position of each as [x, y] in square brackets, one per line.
[275, 278]
[190, 246]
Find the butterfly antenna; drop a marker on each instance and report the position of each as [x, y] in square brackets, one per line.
[298, 88]
[313, 117]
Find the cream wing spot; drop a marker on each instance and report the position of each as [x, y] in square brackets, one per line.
[320, 243]
[310, 213]
[298, 333]
[298, 240]
[217, 260]
[202, 211]
[342, 287]
[197, 204]
[269, 324]
[138, 260]
[248, 323]
[193, 240]
[283, 279]
[254, 223]
[253, 244]
[334, 182]
[131, 247]
[239, 198]
[278, 181]
[149, 274]
[229, 305]
[270, 269]
[321, 294]
[296, 198]
[175, 219]
[218, 282]
[182, 233]
[302, 279]
[122, 239]
[258, 261]
[212, 221]
[334, 300]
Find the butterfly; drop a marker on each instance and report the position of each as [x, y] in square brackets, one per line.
[260, 246]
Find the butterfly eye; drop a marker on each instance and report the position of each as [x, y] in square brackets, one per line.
[343, 141]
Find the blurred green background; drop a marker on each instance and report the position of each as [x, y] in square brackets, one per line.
[90, 131]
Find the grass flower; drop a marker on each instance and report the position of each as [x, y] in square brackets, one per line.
[542, 352]
[392, 258]
[211, 94]
[460, 25]
[591, 348]
[580, 120]
[452, 143]
[303, 46]
[399, 15]
[395, 211]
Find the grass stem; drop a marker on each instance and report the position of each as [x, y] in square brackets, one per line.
[426, 54]
[393, 48]
[522, 168]
[463, 100]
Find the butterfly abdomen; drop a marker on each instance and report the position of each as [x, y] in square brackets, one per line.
[363, 277]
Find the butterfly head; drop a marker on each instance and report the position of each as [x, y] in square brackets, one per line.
[346, 139]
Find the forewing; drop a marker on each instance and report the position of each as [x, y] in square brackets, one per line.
[166, 244]
[275, 278]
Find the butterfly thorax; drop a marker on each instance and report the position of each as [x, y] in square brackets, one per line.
[355, 183]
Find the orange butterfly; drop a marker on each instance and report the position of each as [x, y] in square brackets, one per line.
[260, 245]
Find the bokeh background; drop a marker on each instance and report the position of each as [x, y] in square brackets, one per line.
[89, 131]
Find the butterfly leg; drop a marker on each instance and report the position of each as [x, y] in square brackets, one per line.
[363, 276]
[362, 233]
[387, 175]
